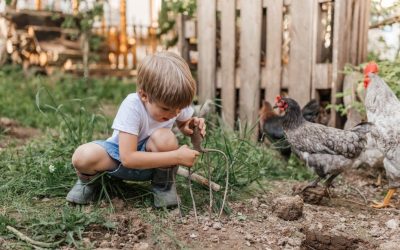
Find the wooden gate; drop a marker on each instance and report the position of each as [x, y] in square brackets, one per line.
[295, 46]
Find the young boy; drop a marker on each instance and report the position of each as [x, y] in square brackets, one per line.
[142, 146]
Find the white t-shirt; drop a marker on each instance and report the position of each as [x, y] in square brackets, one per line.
[132, 118]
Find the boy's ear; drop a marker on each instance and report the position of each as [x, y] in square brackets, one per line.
[143, 96]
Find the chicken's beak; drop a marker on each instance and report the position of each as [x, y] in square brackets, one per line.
[275, 107]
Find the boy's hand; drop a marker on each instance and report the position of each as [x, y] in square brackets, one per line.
[199, 122]
[187, 156]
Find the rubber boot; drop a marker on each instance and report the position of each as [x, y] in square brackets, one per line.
[84, 191]
[164, 187]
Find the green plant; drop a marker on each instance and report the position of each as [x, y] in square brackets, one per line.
[65, 89]
[5, 221]
[167, 19]
[69, 225]
[390, 73]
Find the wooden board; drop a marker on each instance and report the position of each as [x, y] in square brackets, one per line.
[271, 74]
[322, 76]
[250, 47]
[228, 43]
[354, 33]
[299, 68]
[321, 71]
[364, 32]
[206, 17]
[341, 43]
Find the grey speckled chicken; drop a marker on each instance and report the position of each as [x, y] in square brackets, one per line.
[325, 149]
[383, 109]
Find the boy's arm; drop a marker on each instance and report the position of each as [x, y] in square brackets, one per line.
[131, 158]
[184, 126]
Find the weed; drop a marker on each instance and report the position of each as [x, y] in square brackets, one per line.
[67, 225]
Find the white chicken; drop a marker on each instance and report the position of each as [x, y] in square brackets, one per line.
[383, 109]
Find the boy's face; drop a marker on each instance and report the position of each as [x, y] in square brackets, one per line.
[158, 111]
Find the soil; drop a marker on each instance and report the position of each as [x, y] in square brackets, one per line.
[343, 221]
[11, 132]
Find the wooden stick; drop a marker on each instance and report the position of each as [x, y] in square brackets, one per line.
[388, 21]
[198, 178]
[192, 196]
[31, 241]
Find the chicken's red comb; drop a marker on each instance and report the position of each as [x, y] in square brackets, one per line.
[371, 67]
[278, 98]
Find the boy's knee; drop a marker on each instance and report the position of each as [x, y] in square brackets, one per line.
[162, 140]
[82, 157]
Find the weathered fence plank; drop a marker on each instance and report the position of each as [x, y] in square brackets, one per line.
[300, 61]
[250, 44]
[354, 33]
[207, 49]
[364, 35]
[271, 74]
[228, 44]
[341, 43]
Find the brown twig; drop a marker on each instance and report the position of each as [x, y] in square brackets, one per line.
[178, 201]
[355, 202]
[388, 21]
[191, 195]
[359, 192]
[198, 178]
[226, 178]
[31, 241]
[197, 139]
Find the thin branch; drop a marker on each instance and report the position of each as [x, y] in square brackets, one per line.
[31, 241]
[388, 21]
[359, 192]
[191, 195]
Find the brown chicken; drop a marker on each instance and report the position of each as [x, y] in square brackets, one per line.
[328, 151]
[271, 130]
[383, 109]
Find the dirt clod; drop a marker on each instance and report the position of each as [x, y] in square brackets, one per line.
[288, 207]
[310, 195]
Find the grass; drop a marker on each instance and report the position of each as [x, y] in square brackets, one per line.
[18, 95]
[35, 178]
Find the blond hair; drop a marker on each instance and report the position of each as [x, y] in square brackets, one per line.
[165, 77]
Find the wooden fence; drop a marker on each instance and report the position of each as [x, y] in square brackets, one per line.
[295, 46]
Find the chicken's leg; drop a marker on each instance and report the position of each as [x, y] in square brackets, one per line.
[314, 183]
[386, 200]
[328, 183]
[378, 182]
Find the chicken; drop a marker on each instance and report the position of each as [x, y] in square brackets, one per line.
[271, 125]
[383, 109]
[311, 111]
[328, 151]
[271, 129]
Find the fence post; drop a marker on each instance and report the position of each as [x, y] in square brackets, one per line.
[340, 54]
[228, 47]
[206, 14]
[271, 76]
[250, 49]
[300, 61]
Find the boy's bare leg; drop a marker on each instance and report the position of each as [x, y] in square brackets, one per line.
[91, 158]
[88, 160]
[163, 182]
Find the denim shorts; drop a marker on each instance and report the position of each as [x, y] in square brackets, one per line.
[122, 172]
